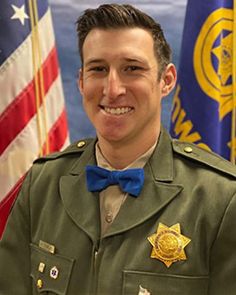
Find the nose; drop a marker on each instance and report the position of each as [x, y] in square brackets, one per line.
[113, 85]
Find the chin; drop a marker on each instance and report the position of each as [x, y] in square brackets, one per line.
[111, 136]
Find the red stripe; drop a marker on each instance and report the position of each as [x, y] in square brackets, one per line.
[58, 134]
[23, 108]
[7, 203]
[57, 137]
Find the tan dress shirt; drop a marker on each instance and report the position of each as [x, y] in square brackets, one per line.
[112, 198]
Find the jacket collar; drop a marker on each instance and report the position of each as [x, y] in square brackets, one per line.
[161, 162]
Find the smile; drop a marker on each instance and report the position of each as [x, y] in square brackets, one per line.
[117, 111]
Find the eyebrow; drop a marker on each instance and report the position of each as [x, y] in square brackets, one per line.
[135, 59]
[128, 59]
[94, 61]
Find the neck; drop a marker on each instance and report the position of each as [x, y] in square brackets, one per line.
[120, 154]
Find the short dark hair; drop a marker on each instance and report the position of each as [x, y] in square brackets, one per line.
[115, 16]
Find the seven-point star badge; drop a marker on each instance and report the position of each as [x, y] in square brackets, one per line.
[168, 244]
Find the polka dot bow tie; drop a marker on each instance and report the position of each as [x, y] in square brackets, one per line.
[130, 180]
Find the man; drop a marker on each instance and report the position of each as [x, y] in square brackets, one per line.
[164, 226]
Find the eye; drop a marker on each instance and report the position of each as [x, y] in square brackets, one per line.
[132, 68]
[97, 69]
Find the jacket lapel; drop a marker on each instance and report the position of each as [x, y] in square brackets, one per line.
[158, 190]
[81, 205]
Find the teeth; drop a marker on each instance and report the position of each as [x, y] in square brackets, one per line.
[117, 111]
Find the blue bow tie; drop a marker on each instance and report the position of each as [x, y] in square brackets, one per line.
[130, 180]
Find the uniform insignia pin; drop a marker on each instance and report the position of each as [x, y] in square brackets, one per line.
[54, 272]
[47, 247]
[168, 244]
[39, 284]
[41, 267]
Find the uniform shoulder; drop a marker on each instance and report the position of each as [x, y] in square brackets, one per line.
[77, 147]
[207, 158]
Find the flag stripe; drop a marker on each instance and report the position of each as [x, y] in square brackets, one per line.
[24, 106]
[58, 137]
[58, 133]
[24, 149]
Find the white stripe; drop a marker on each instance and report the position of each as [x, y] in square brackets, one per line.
[17, 72]
[66, 143]
[24, 149]
[54, 103]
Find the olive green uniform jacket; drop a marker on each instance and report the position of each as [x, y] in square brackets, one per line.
[185, 186]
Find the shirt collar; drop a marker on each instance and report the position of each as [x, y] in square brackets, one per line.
[138, 163]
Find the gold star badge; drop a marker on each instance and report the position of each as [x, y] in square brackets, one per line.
[168, 244]
[224, 54]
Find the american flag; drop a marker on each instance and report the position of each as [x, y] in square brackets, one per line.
[32, 109]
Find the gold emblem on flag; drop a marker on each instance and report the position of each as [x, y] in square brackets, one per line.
[168, 244]
[215, 42]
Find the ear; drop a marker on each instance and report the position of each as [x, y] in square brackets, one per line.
[168, 79]
[80, 81]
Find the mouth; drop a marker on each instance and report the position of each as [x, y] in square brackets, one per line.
[117, 110]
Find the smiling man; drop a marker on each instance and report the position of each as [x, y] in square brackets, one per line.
[131, 212]
[122, 87]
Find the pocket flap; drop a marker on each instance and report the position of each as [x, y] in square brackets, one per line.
[163, 284]
[50, 272]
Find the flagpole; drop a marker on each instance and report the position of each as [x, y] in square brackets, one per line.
[41, 78]
[38, 77]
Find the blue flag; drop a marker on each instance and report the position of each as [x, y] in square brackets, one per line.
[204, 100]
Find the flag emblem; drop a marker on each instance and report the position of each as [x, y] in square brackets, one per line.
[213, 58]
[204, 103]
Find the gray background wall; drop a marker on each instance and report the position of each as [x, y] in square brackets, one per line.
[169, 13]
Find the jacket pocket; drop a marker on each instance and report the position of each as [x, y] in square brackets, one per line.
[136, 283]
[50, 272]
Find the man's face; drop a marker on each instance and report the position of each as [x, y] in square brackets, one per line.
[119, 84]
